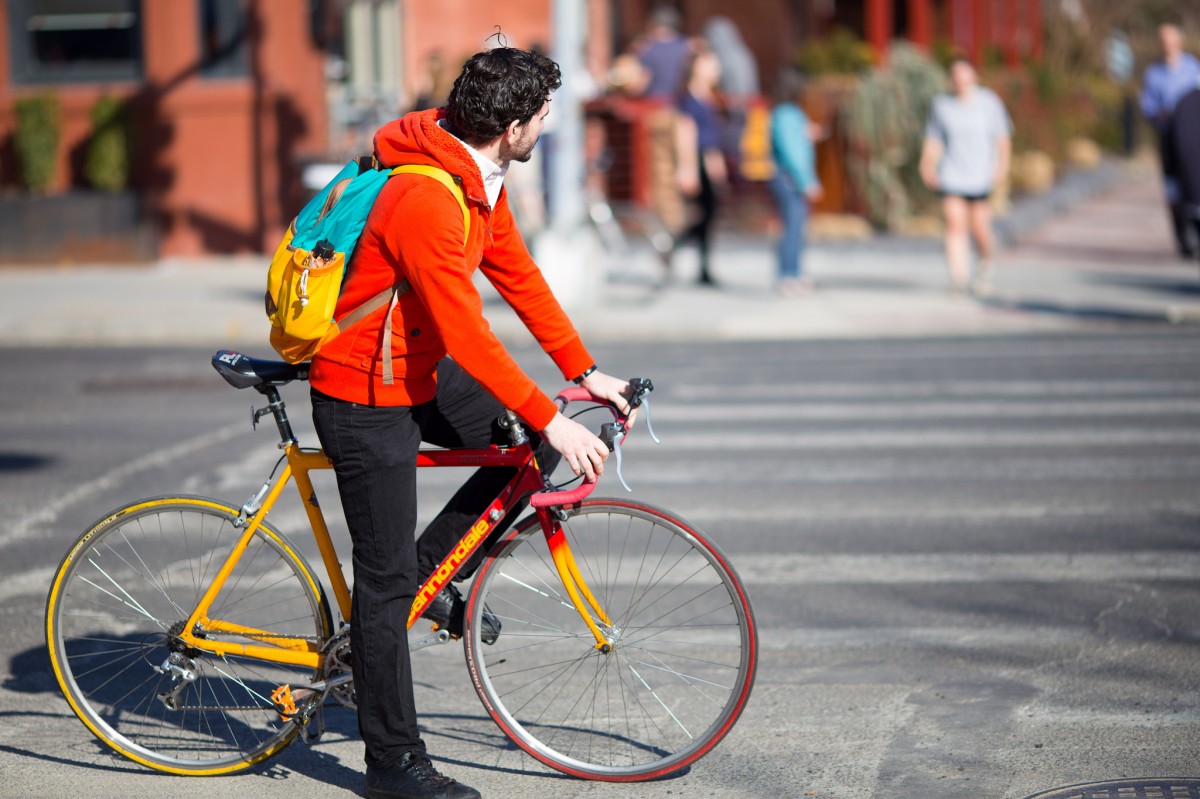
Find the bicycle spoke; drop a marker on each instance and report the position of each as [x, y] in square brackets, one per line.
[680, 645]
[118, 603]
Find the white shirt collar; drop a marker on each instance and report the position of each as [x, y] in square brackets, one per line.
[491, 172]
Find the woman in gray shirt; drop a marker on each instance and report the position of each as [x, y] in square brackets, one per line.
[968, 141]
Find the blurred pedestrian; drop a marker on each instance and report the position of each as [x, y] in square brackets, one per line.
[795, 183]
[739, 70]
[967, 149]
[1163, 84]
[433, 82]
[664, 54]
[626, 77]
[700, 160]
[739, 81]
[1185, 132]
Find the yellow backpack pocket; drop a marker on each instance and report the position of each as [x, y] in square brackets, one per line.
[302, 293]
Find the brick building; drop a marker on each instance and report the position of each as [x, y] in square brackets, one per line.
[223, 95]
[230, 99]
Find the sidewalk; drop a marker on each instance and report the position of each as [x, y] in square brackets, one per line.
[1104, 261]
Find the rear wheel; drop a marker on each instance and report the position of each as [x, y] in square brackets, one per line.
[125, 591]
[683, 644]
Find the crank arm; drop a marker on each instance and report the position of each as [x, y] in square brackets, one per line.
[432, 639]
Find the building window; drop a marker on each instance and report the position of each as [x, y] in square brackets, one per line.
[223, 34]
[69, 41]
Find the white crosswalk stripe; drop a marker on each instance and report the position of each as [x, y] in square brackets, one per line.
[1091, 461]
[805, 569]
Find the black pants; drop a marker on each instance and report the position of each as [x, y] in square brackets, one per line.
[700, 231]
[1181, 224]
[374, 453]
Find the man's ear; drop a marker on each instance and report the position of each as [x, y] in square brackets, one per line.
[510, 133]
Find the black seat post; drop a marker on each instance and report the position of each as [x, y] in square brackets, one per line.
[278, 409]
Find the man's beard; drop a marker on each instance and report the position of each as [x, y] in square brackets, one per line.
[522, 154]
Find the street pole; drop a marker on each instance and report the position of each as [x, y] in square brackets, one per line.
[566, 167]
[567, 251]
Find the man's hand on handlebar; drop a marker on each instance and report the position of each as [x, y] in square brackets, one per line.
[611, 389]
[582, 449]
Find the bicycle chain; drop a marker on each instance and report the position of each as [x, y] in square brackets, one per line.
[223, 708]
[267, 708]
[312, 639]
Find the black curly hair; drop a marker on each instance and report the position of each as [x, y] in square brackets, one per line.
[496, 87]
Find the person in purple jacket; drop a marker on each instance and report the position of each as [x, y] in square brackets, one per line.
[702, 173]
[1163, 84]
[664, 54]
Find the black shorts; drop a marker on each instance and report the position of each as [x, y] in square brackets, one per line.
[971, 198]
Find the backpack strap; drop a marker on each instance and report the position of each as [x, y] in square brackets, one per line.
[391, 295]
[443, 177]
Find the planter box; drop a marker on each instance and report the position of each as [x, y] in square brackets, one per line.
[75, 227]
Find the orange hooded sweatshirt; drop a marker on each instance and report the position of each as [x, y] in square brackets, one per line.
[415, 232]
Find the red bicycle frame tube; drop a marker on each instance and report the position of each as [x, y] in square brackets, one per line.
[528, 480]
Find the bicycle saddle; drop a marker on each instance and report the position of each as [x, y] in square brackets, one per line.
[242, 371]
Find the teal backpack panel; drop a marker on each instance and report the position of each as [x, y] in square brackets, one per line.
[343, 224]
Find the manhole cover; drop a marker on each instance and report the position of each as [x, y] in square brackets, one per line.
[1155, 788]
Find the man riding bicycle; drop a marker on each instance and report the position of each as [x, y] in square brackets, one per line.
[450, 379]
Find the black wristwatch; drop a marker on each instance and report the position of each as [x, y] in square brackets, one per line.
[579, 380]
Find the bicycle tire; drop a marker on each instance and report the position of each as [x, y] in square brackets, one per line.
[684, 653]
[114, 599]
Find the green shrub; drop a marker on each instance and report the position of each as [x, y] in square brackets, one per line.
[107, 165]
[1048, 113]
[1108, 101]
[36, 140]
[885, 128]
[944, 51]
[840, 53]
[1047, 82]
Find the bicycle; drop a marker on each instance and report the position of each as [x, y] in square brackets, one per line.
[189, 635]
[637, 245]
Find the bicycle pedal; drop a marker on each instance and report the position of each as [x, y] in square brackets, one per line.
[292, 705]
[285, 702]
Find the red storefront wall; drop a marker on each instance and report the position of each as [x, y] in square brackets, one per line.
[216, 159]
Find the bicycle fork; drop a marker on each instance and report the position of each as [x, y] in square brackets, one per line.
[550, 519]
[582, 598]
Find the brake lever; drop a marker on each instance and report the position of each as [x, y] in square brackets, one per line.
[612, 434]
[620, 474]
[649, 426]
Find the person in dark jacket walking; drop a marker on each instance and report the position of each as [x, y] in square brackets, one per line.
[1185, 133]
[1164, 83]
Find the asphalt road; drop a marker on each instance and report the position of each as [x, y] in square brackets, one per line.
[975, 563]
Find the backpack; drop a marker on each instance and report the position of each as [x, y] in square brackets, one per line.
[306, 273]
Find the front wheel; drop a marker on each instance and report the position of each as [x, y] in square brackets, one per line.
[124, 592]
[683, 644]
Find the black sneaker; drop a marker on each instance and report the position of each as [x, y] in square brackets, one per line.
[447, 610]
[414, 777]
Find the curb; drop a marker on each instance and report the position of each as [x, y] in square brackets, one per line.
[1031, 212]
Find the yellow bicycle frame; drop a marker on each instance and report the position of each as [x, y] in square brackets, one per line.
[295, 651]
[301, 652]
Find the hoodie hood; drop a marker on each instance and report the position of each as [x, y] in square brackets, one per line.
[417, 138]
